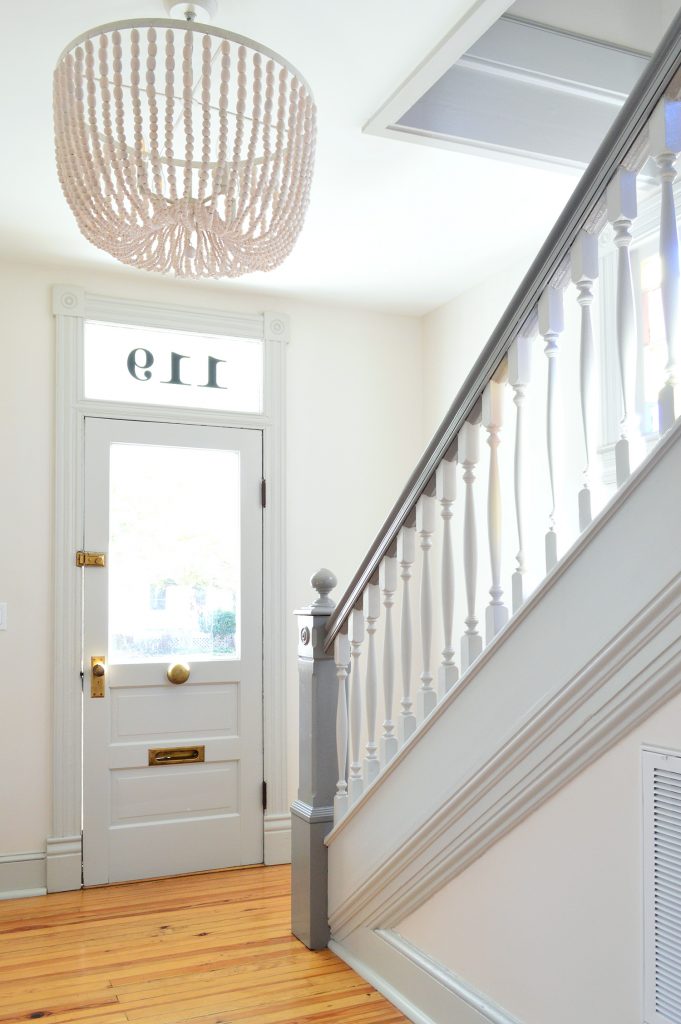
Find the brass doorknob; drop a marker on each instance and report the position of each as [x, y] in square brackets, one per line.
[178, 672]
[98, 669]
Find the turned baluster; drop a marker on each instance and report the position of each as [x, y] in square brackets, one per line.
[469, 455]
[372, 609]
[356, 636]
[584, 270]
[425, 526]
[665, 143]
[621, 213]
[519, 374]
[445, 484]
[341, 653]
[388, 585]
[550, 327]
[496, 614]
[406, 552]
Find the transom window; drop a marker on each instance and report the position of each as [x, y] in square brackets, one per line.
[158, 366]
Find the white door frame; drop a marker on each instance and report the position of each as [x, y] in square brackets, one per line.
[71, 307]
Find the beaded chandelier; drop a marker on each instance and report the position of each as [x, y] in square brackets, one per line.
[181, 147]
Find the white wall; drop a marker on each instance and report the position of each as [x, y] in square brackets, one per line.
[352, 375]
[455, 334]
[548, 923]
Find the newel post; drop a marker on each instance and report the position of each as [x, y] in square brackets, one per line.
[312, 812]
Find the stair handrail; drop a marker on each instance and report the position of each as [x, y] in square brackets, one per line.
[624, 145]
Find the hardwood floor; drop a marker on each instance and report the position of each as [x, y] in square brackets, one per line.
[201, 949]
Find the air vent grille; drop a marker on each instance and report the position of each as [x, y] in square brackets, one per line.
[662, 867]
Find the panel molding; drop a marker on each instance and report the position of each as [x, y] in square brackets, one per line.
[71, 307]
[421, 988]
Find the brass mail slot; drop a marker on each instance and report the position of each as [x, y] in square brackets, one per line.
[177, 755]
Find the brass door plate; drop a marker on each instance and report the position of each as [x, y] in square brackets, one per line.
[97, 676]
[91, 558]
[176, 755]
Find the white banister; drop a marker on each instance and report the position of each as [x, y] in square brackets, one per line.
[425, 527]
[445, 484]
[341, 653]
[469, 456]
[519, 375]
[496, 614]
[356, 637]
[550, 327]
[372, 609]
[665, 144]
[406, 551]
[388, 585]
[584, 269]
[621, 212]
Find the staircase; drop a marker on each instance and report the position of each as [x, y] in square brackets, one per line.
[523, 599]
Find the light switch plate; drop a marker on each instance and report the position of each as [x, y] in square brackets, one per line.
[3, 615]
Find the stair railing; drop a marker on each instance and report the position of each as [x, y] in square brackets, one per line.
[542, 471]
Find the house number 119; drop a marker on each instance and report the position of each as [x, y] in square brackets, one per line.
[141, 360]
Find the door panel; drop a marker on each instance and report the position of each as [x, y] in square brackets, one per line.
[177, 510]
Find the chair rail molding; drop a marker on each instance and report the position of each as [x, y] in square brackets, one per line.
[71, 306]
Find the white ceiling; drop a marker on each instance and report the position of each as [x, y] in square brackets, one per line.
[391, 226]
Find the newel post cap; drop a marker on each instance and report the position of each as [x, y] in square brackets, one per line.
[323, 582]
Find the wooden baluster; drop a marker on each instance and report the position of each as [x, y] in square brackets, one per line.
[621, 212]
[388, 584]
[584, 269]
[665, 143]
[496, 614]
[406, 551]
[445, 484]
[550, 327]
[356, 636]
[519, 374]
[372, 609]
[469, 455]
[425, 526]
[341, 653]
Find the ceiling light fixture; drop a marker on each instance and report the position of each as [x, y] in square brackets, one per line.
[182, 147]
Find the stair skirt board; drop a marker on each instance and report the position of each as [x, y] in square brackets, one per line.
[22, 874]
[626, 667]
[422, 989]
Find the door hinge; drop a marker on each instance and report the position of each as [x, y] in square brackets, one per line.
[263, 493]
[264, 795]
[91, 558]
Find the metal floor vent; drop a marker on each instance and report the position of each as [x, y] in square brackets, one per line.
[662, 886]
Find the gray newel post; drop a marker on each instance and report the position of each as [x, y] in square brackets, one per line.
[312, 812]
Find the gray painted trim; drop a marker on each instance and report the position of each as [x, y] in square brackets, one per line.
[22, 874]
[622, 137]
[311, 814]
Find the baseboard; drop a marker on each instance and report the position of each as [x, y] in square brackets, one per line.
[64, 863]
[422, 989]
[22, 874]
[277, 848]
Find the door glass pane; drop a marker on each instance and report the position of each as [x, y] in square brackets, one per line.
[174, 553]
[151, 366]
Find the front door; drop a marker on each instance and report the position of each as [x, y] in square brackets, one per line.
[172, 650]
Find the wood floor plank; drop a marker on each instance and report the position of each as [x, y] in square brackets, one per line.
[214, 948]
